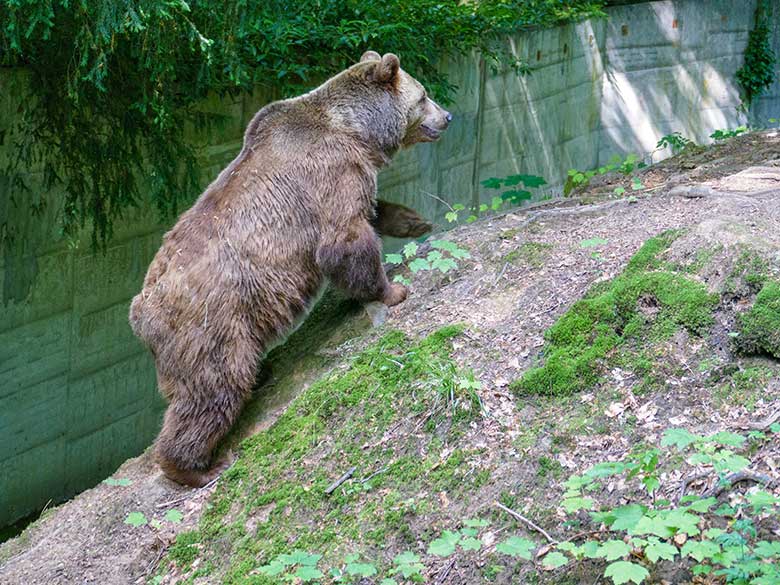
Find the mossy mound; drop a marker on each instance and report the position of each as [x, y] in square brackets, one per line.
[759, 327]
[387, 418]
[646, 303]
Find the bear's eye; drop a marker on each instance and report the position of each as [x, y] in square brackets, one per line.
[423, 98]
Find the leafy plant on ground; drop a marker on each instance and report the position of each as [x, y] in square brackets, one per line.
[676, 141]
[577, 180]
[511, 195]
[443, 258]
[725, 134]
[731, 541]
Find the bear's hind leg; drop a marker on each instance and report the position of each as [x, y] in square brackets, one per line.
[193, 426]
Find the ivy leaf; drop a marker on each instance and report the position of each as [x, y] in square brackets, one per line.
[624, 572]
[593, 242]
[308, 573]
[410, 249]
[626, 517]
[173, 515]
[532, 181]
[514, 546]
[476, 523]
[652, 525]
[419, 264]
[274, 568]
[136, 519]
[299, 557]
[361, 569]
[571, 505]
[683, 521]
[444, 546]
[680, 438]
[516, 196]
[703, 505]
[492, 183]
[394, 258]
[651, 483]
[590, 549]
[613, 549]
[660, 550]
[761, 500]
[471, 543]
[451, 216]
[554, 560]
[767, 550]
[388, 581]
[118, 482]
[407, 563]
[726, 438]
[700, 549]
[444, 265]
[731, 462]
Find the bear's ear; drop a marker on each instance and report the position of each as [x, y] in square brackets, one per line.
[388, 68]
[370, 56]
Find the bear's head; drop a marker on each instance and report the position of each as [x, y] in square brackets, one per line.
[387, 106]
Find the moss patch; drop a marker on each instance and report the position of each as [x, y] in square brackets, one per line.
[642, 305]
[759, 331]
[391, 416]
[531, 253]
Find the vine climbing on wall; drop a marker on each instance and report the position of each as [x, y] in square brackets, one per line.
[758, 71]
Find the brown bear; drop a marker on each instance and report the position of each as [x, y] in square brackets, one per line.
[296, 208]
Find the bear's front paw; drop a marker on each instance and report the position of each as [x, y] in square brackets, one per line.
[395, 294]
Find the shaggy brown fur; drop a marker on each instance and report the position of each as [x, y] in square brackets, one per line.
[244, 264]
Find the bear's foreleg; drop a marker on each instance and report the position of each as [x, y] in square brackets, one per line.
[352, 260]
[398, 221]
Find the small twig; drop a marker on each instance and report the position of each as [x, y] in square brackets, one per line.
[334, 486]
[373, 475]
[731, 480]
[187, 496]
[444, 572]
[438, 199]
[500, 274]
[527, 522]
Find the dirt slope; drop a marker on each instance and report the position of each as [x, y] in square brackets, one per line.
[527, 268]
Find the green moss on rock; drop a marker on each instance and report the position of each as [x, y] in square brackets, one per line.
[640, 304]
[759, 331]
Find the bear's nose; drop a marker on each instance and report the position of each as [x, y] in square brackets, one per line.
[448, 117]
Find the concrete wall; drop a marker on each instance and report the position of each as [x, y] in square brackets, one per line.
[77, 392]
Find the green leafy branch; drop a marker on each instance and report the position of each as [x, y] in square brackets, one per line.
[442, 258]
